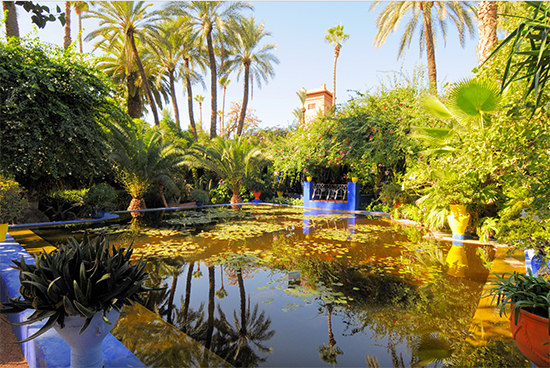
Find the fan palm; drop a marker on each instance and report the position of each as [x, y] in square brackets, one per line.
[67, 26]
[390, 17]
[335, 36]
[204, 15]
[256, 61]
[126, 19]
[232, 160]
[12, 26]
[141, 158]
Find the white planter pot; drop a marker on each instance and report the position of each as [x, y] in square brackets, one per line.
[87, 348]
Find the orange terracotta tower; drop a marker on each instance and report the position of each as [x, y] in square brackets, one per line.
[318, 101]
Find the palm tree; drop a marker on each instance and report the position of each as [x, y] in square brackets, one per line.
[248, 55]
[251, 328]
[232, 160]
[335, 36]
[302, 95]
[141, 158]
[487, 26]
[67, 27]
[166, 41]
[80, 7]
[200, 99]
[224, 82]
[389, 18]
[329, 354]
[127, 19]
[204, 15]
[12, 26]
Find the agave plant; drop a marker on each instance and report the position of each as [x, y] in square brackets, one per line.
[78, 279]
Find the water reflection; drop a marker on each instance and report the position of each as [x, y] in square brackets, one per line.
[383, 291]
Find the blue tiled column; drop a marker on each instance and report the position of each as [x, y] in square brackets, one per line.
[354, 196]
[308, 192]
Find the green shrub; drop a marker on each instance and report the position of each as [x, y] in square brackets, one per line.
[286, 200]
[100, 197]
[221, 194]
[198, 195]
[63, 205]
[12, 201]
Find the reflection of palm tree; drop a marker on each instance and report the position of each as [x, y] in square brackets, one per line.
[211, 305]
[329, 354]
[251, 329]
[221, 293]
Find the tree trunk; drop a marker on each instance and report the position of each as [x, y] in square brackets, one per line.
[148, 92]
[80, 32]
[171, 297]
[223, 112]
[190, 100]
[487, 26]
[213, 84]
[12, 27]
[336, 54]
[185, 309]
[242, 292]
[211, 305]
[134, 101]
[67, 28]
[236, 198]
[137, 204]
[174, 100]
[242, 115]
[426, 8]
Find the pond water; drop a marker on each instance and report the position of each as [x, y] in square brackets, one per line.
[286, 287]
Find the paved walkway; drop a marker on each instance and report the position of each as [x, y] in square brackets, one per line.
[11, 355]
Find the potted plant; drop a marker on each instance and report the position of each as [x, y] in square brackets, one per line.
[12, 204]
[256, 185]
[529, 299]
[99, 199]
[279, 187]
[80, 288]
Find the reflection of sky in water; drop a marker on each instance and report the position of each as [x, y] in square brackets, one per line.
[367, 252]
[299, 332]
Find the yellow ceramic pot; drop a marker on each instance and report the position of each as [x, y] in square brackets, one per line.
[309, 178]
[354, 179]
[279, 194]
[3, 232]
[458, 219]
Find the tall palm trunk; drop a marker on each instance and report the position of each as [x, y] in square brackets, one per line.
[12, 27]
[149, 94]
[211, 305]
[171, 297]
[426, 7]
[133, 101]
[213, 84]
[174, 100]
[242, 293]
[336, 54]
[187, 299]
[242, 115]
[67, 38]
[223, 112]
[487, 26]
[190, 100]
[79, 16]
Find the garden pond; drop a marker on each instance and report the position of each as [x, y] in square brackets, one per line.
[281, 286]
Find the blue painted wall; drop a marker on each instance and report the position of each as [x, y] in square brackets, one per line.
[352, 204]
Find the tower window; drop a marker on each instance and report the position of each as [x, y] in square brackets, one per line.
[311, 106]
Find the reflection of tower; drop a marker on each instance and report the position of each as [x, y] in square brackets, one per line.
[318, 101]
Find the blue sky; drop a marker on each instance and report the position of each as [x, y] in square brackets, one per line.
[306, 60]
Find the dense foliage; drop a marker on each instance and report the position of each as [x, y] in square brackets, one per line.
[53, 107]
